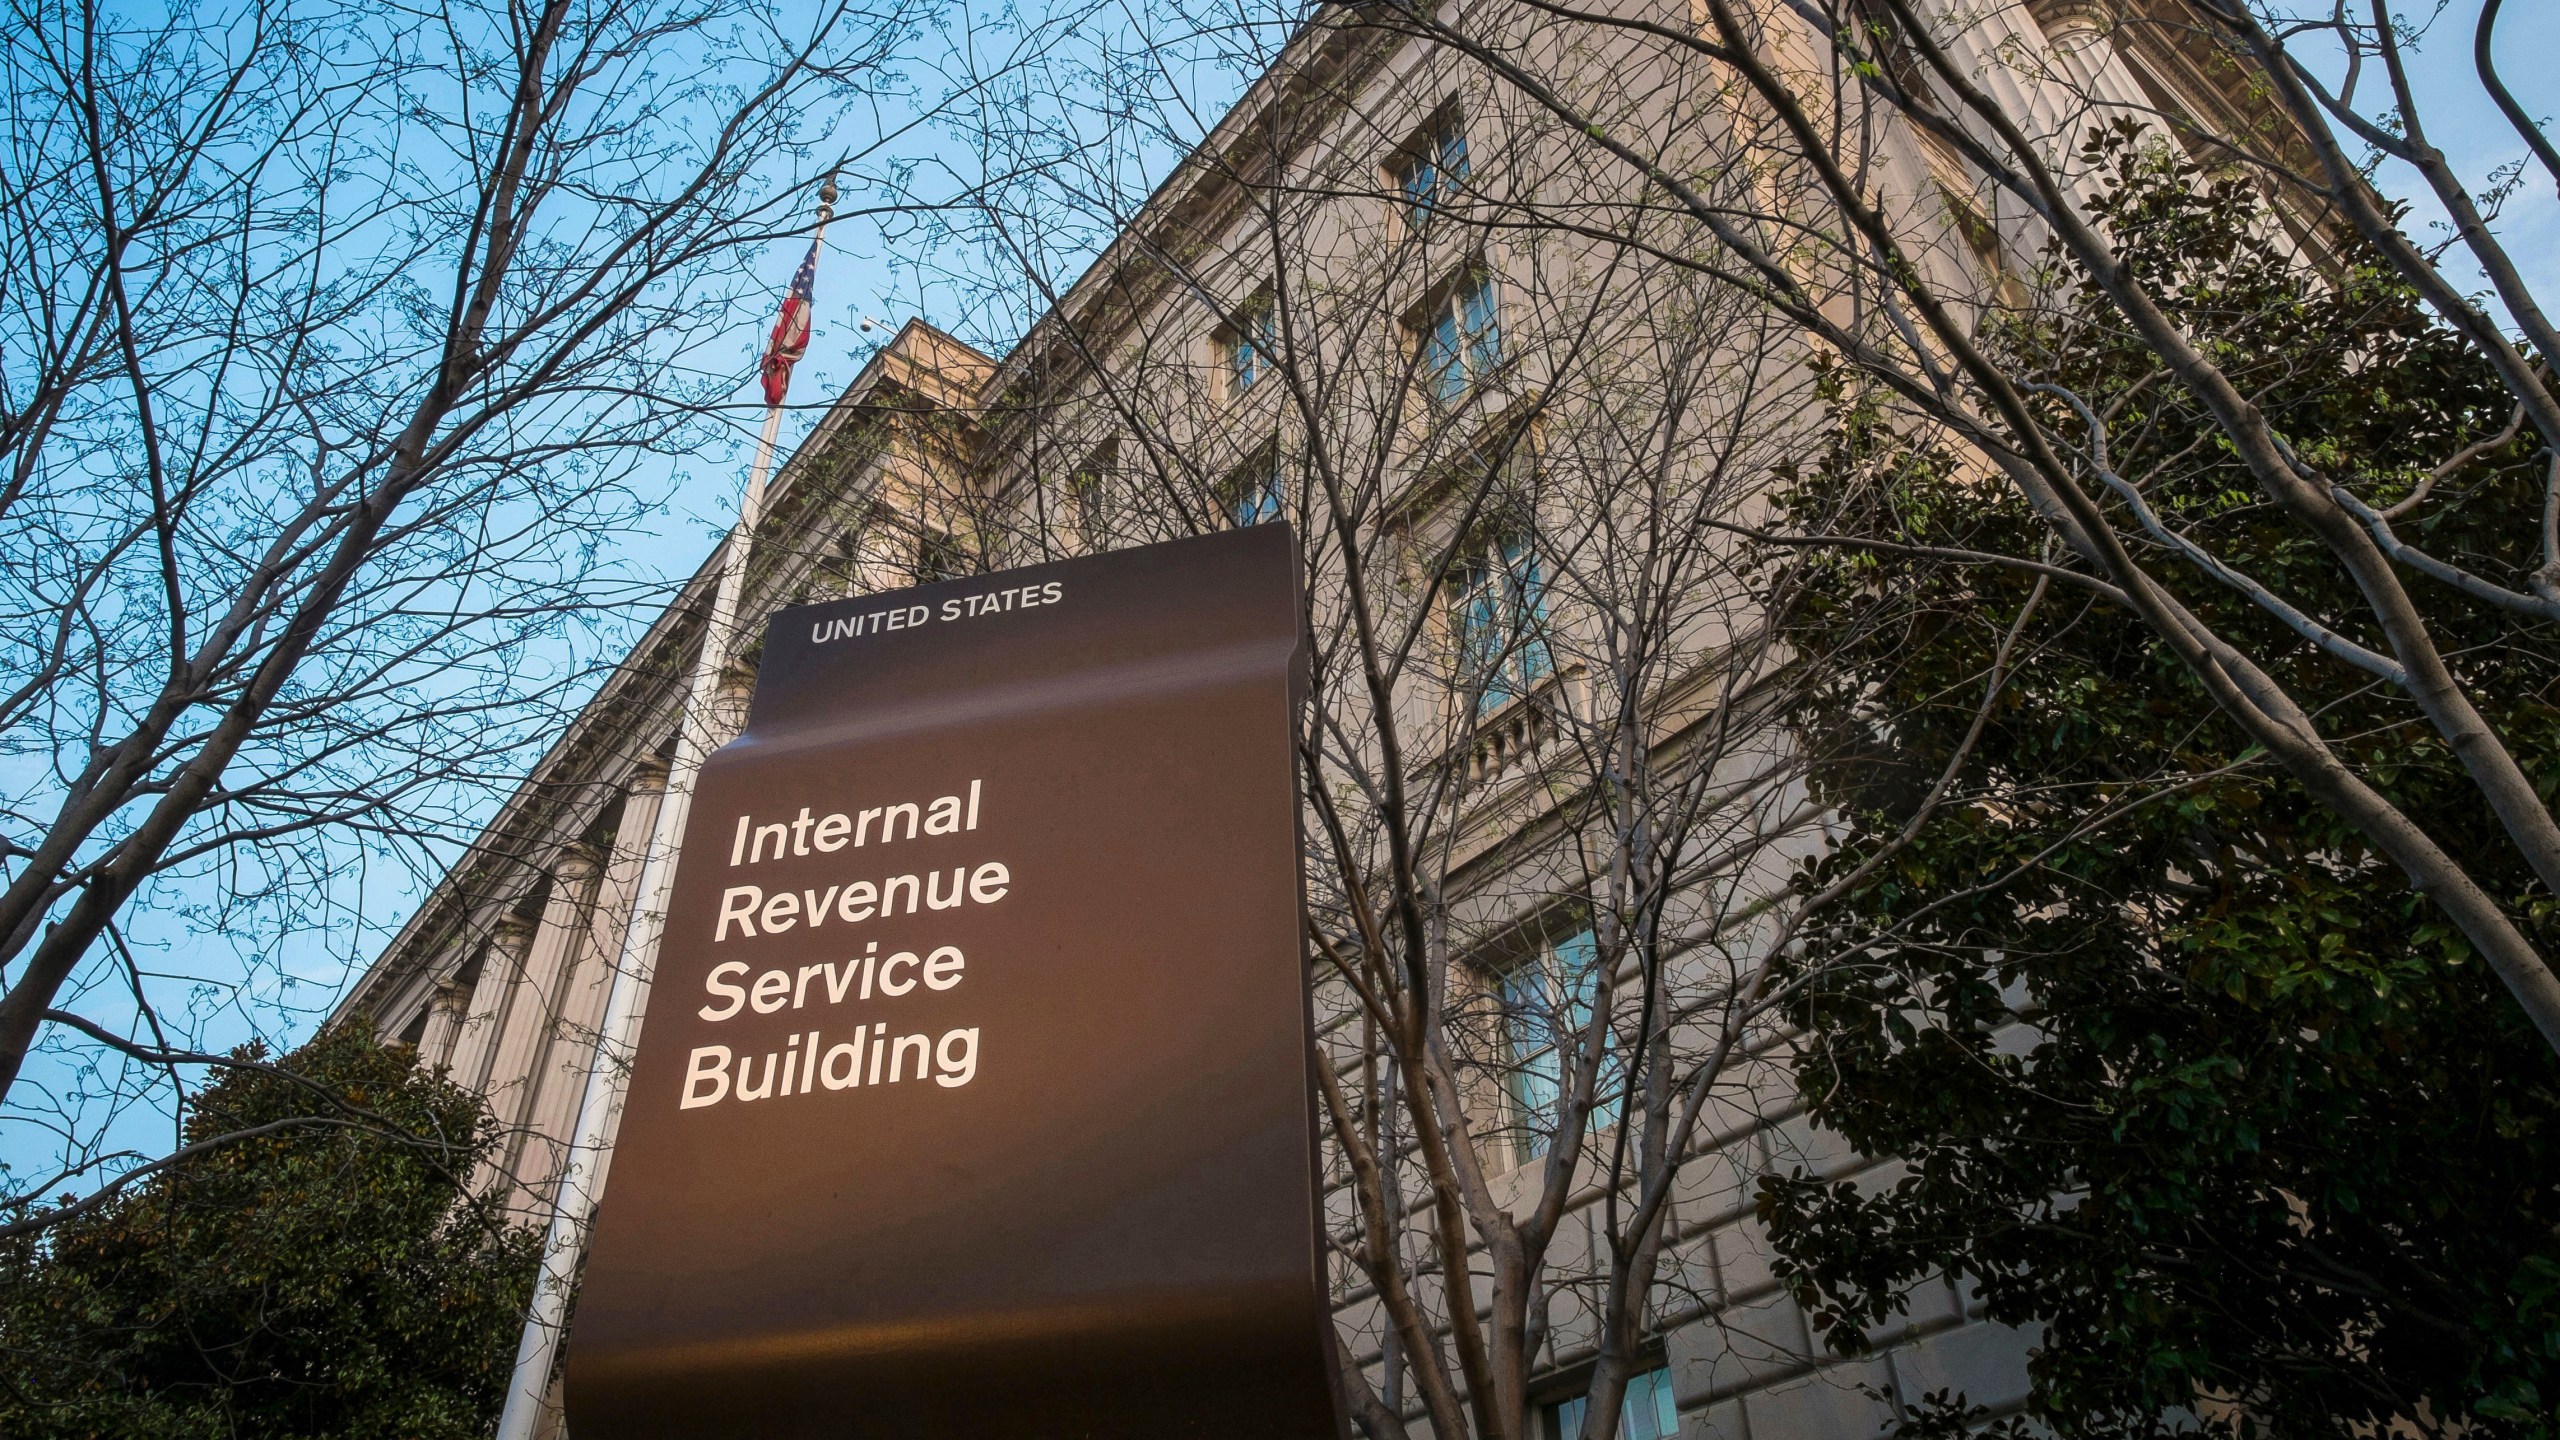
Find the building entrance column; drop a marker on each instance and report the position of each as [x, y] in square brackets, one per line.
[561, 1074]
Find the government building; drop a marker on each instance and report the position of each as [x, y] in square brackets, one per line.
[1520, 410]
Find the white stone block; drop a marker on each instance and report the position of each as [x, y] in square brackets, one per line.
[1833, 1403]
[1985, 1363]
[1713, 1188]
[1799, 1144]
[1737, 1348]
[1928, 1305]
[1720, 1421]
[1745, 1261]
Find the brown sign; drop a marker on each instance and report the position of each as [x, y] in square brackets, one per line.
[973, 1098]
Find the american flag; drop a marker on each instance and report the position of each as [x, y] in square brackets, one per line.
[790, 330]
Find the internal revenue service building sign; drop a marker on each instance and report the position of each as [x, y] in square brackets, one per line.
[973, 1097]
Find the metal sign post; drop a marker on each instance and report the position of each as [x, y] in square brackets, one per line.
[627, 994]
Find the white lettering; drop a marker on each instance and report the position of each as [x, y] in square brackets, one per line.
[898, 1057]
[696, 1072]
[960, 1071]
[944, 817]
[836, 987]
[772, 992]
[852, 1055]
[738, 903]
[889, 821]
[889, 966]
[746, 1063]
[781, 912]
[933, 888]
[712, 982]
[988, 884]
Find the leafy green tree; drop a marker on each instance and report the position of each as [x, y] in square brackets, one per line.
[2177, 1067]
[320, 1270]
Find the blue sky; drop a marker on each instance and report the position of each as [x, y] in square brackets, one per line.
[214, 988]
[2478, 141]
[892, 272]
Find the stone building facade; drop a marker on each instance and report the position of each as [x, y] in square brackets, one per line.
[1381, 270]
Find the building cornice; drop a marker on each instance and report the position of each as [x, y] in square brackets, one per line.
[624, 725]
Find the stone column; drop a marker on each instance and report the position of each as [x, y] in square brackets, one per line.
[562, 1073]
[737, 688]
[2000, 45]
[477, 1036]
[525, 1032]
[445, 1009]
[2082, 40]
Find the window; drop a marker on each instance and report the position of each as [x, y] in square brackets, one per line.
[1246, 346]
[1089, 493]
[939, 556]
[1546, 1003]
[1252, 495]
[1500, 616]
[1649, 1413]
[1981, 237]
[1432, 171]
[1460, 335]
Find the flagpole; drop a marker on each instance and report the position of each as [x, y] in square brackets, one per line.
[582, 1172]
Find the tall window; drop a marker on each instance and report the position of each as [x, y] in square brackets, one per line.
[939, 556]
[1432, 172]
[1252, 495]
[1500, 615]
[1649, 1412]
[1089, 493]
[1460, 337]
[841, 563]
[1246, 346]
[1546, 1006]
